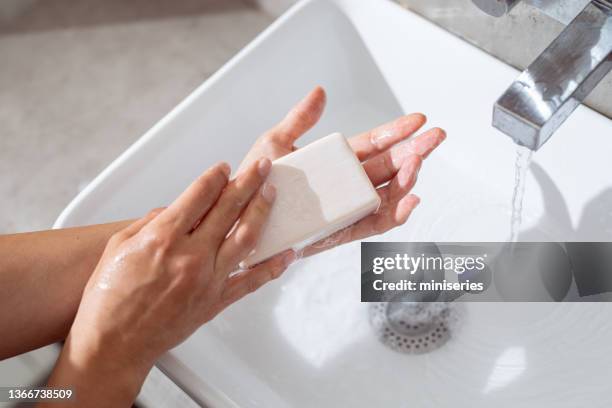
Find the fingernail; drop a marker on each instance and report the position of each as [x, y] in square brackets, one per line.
[268, 191]
[226, 169]
[442, 133]
[289, 258]
[420, 116]
[264, 167]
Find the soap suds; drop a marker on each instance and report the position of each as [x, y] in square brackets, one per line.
[378, 139]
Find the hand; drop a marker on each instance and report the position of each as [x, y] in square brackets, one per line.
[162, 277]
[392, 167]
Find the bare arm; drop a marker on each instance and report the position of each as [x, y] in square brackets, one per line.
[160, 279]
[42, 276]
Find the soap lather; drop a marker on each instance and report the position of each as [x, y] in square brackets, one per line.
[320, 189]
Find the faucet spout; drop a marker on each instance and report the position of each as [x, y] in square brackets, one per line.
[549, 90]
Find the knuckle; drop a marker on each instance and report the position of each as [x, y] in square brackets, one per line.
[246, 236]
[267, 139]
[158, 242]
[185, 282]
[246, 182]
[156, 211]
[300, 116]
[117, 238]
[252, 285]
[219, 176]
[186, 265]
[261, 206]
[388, 164]
[203, 182]
[278, 271]
[237, 197]
[417, 160]
[210, 179]
[276, 132]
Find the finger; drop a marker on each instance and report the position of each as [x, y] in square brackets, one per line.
[406, 177]
[336, 239]
[366, 145]
[244, 237]
[390, 215]
[250, 280]
[382, 167]
[137, 225]
[236, 196]
[426, 142]
[196, 200]
[300, 119]
[393, 213]
[396, 205]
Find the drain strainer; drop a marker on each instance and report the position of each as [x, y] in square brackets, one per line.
[411, 327]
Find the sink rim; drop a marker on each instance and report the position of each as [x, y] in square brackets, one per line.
[166, 363]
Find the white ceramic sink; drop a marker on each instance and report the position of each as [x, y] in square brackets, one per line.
[304, 340]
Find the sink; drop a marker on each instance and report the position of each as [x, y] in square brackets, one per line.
[305, 340]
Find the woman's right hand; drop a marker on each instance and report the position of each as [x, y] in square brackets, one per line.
[162, 277]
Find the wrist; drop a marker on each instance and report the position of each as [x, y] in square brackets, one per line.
[98, 374]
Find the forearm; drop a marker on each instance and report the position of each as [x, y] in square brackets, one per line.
[96, 377]
[42, 276]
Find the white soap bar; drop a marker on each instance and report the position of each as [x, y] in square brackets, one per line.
[320, 189]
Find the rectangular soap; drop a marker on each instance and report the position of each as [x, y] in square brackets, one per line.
[320, 189]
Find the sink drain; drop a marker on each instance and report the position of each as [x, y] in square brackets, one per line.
[411, 327]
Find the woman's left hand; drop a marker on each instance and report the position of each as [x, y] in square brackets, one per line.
[392, 166]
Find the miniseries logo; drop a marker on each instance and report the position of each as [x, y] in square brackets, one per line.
[525, 271]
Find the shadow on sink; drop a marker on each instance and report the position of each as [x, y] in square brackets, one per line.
[595, 223]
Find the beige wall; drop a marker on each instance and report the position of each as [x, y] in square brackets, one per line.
[12, 8]
[274, 7]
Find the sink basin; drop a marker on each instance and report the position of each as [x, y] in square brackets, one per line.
[304, 340]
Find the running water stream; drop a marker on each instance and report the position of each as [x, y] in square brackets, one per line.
[521, 165]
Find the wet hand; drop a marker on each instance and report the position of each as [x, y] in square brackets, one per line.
[166, 274]
[391, 156]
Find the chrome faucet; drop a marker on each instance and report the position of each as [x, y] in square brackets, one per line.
[549, 90]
